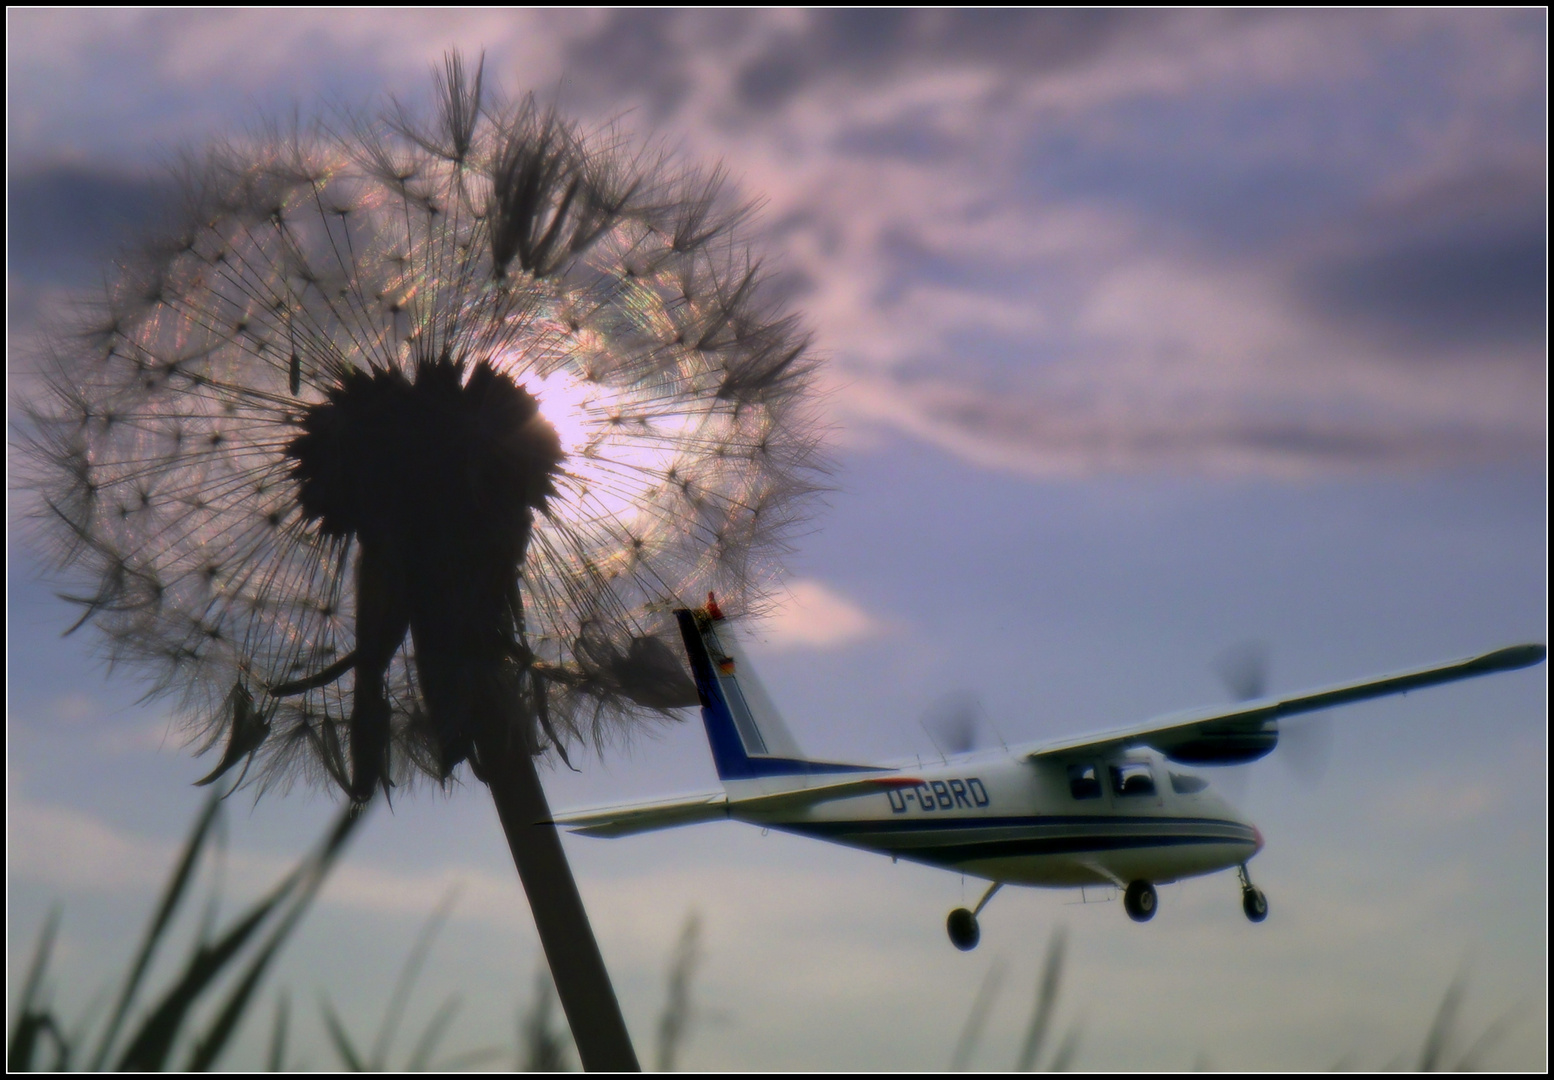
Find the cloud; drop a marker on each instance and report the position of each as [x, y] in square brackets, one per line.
[482, 894]
[129, 86]
[639, 53]
[1423, 805]
[70, 849]
[1460, 264]
[1468, 289]
[67, 219]
[153, 736]
[1041, 435]
[107, 728]
[812, 616]
[1199, 262]
[74, 707]
[67, 849]
[862, 46]
[1056, 242]
[1160, 361]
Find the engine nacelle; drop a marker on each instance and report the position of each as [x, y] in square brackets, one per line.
[1233, 742]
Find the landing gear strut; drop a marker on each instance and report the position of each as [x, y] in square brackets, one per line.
[1140, 901]
[1253, 902]
[962, 924]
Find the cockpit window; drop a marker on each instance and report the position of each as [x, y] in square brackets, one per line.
[1132, 778]
[1084, 782]
[1187, 785]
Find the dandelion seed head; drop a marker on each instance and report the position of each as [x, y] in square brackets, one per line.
[409, 427]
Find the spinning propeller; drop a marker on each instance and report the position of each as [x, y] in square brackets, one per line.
[954, 722]
[1305, 742]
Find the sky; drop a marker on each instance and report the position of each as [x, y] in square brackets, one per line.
[1147, 334]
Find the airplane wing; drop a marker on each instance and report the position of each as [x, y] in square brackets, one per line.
[666, 813]
[1249, 729]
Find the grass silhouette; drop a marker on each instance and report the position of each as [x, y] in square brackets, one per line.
[223, 971]
[191, 1022]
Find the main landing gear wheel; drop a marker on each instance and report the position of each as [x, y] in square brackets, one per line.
[1140, 901]
[1253, 902]
[962, 924]
[964, 932]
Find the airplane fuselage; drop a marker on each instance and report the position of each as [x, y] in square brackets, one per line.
[1081, 821]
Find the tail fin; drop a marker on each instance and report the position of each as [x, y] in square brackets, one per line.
[747, 736]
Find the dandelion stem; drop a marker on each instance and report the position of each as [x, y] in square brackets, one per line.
[582, 983]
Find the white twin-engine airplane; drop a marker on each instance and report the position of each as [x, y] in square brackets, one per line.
[1109, 809]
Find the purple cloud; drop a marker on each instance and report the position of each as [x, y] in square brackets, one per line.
[1045, 241]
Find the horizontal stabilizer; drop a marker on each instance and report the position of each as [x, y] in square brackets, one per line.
[645, 817]
[667, 813]
[782, 802]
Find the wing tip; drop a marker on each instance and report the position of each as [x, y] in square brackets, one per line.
[1514, 656]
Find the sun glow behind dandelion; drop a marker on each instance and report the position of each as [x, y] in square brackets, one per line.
[572, 407]
[618, 448]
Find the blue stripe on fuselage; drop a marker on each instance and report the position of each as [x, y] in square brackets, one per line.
[1048, 835]
[969, 822]
[728, 749]
[976, 851]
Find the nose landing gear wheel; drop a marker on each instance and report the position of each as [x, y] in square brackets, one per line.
[963, 929]
[1139, 901]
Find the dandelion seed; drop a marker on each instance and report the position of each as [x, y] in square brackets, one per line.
[420, 480]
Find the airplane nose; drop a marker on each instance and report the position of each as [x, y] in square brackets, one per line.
[1257, 834]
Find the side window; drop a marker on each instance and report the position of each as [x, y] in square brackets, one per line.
[1187, 785]
[1084, 782]
[1132, 778]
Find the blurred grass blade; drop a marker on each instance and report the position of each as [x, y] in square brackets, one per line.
[1440, 1029]
[337, 1035]
[539, 1048]
[216, 871]
[676, 1021]
[177, 886]
[1063, 1060]
[25, 1041]
[40, 958]
[469, 1059]
[277, 1057]
[378, 1060]
[1046, 1002]
[150, 1048]
[31, 1023]
[316, 868]
[976, 1020]
[1469, 1062]
[76, 1038]
[426, 1045]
